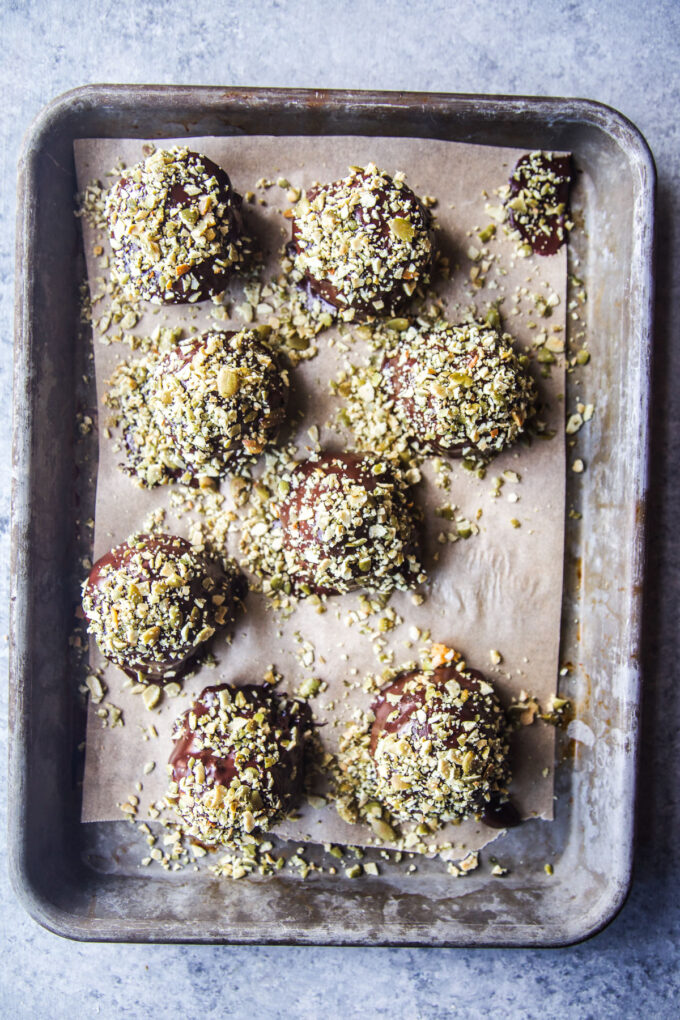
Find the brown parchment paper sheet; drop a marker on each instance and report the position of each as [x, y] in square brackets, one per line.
[500, 589]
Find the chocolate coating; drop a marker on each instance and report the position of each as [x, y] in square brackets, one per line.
[439, 745]
[539, 192]
[372, 259]
[238, 761]
[458, 389]
[501, 814]
[348, 523]
[175, 226]
[153, 602]
[219, 397]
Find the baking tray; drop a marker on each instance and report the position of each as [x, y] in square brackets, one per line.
[83, 881]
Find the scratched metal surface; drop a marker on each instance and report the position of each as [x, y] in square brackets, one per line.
[83, 881]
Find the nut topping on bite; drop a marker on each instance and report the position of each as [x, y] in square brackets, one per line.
[364, 243]
[539, 192]
[175, 227]
[457, 388]
[153, 602]
[438, 745]
[238, 762]
[347, 522]
[220, 397]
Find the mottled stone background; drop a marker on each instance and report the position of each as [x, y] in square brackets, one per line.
[622, 52]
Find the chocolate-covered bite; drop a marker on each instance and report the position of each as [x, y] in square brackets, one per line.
[439, 746]
[363, 243]
[537, 203]
[458, 389]
[153, 602]
[175, 227]
[237, 766]
[348, 522]
[219, 397]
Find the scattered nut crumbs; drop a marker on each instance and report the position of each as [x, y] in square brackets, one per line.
[258, 855]
[469, 863]
[296, 318]
[582, 358]
[110, 715]
[97, 688]
[525, 709]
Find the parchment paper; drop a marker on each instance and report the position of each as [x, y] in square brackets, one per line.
[500, 589]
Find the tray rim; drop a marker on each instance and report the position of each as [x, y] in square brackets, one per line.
[124, 96]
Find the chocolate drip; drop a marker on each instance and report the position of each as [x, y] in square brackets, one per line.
[544, 230]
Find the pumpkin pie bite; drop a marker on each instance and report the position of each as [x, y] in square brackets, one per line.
[363, 243]
[438, 745]
[175, 228]
[538, 201]
[348, 523]
[153, 603]
[458, 390]
[237, 766]
[218, 398]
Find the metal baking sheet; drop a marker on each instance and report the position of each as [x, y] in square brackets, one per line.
[83, 881]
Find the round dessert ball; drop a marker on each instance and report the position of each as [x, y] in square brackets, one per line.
[153, 602]
[458, 389]
[175, 227]
[219, 397]
[439, 745]
[363, 243]
[348, 522]
[237, 766]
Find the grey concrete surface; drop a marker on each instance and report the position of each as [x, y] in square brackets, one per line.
[620, 52]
